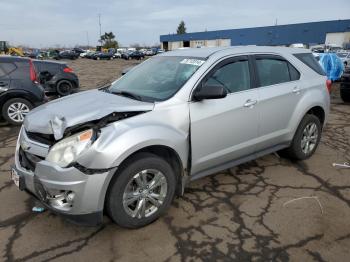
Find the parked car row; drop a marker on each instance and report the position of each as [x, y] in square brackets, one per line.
[24, 83]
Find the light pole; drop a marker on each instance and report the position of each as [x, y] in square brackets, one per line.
[87, 38]
[99, 23]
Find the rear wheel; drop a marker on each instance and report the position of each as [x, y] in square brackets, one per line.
[141, 192]
[64, 87]
[15, 110]
[306, 139]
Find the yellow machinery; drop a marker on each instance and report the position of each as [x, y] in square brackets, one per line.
[5, 49]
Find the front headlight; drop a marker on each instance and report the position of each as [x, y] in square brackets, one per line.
[67, 150]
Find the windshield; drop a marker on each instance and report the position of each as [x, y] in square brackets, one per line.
[158, 78]
[342, 55]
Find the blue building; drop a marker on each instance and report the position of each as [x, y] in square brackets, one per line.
[326, 32]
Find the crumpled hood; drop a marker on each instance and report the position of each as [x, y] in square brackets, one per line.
[55, 116]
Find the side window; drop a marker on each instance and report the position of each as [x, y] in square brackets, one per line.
[234, 76]
[272, 71]
[294, 74]
[2, 72]
[8, 67]
[309, 60]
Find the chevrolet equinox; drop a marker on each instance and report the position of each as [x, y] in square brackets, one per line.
[128, 148]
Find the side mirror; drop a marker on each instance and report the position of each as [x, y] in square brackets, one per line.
[210, 91]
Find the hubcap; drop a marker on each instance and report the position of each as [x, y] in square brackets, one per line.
[309, 139]
[145, 193]
[17, 111]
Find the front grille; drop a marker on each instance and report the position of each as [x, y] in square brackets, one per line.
[41, 138]
[28, 160]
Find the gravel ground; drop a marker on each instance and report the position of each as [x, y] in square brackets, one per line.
[241, 214]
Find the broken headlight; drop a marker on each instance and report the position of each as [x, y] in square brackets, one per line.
[67, 150]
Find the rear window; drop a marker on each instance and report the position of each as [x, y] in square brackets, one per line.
[309, 60]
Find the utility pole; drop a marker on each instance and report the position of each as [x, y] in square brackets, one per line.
[99, 23]
[87, 38]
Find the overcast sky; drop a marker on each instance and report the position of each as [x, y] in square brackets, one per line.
[42, 23]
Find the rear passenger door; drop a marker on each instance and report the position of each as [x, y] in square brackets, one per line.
[279, 91]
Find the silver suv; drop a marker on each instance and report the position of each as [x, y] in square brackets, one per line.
[129, 148]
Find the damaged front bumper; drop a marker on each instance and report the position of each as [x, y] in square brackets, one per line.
[67, 191]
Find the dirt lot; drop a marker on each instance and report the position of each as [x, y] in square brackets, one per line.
[241, 214]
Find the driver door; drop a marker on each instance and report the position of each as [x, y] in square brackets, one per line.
[224, 130]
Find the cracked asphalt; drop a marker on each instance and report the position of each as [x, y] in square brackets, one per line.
[270, 209]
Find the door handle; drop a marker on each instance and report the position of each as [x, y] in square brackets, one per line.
[250, 103]
[2, 84]
[296, 90]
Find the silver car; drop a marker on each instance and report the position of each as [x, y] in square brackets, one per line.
[127, 149]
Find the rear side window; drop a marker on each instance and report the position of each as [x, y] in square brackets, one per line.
[2, 72]
[272, 71]
[294, 74]
[309, 60]
[8, 67]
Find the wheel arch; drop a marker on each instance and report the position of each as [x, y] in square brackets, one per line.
[165, 152]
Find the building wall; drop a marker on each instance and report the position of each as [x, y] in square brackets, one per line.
[306, 33]
[338, 38]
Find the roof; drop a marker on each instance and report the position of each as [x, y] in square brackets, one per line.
[311, 33]
[205, 52]
[13, 58]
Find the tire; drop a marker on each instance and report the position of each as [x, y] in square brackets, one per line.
[121, 212]
[13, 104]
[295, 151]
[345, 96]
[64, 87]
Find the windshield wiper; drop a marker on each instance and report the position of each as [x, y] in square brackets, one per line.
[127, 94]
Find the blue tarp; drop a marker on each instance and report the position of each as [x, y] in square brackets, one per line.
[332, 65]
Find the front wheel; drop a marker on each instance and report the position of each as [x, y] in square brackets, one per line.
[141, 192]
[306, 139]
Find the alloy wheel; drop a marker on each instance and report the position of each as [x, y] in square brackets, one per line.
[309, 138]
[145, 193]
[17, 111]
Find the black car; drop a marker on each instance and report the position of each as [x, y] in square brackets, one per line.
[20, 90]
[345, 85]
[133, 55]
[66, 55]
[78, 50]
[56, 77]
[103, 55]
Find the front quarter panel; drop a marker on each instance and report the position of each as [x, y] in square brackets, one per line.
[168, 126]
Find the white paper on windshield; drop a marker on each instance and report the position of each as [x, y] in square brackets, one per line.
[189, 61]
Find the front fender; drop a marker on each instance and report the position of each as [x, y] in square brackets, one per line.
[117, 142]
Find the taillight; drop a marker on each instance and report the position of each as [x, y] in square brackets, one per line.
[32, 72]
[68, 70]
[329, 85]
